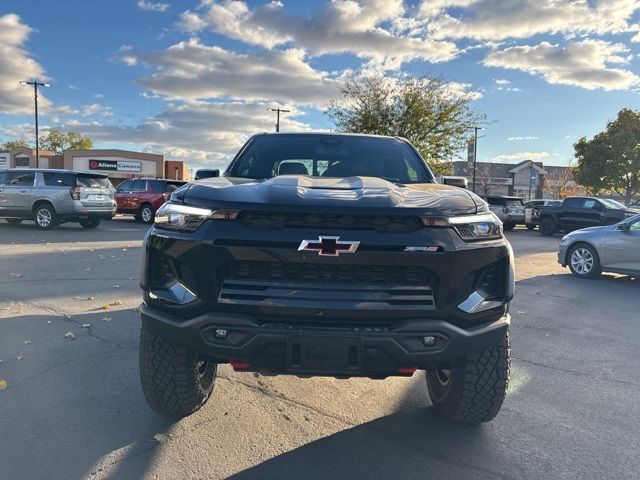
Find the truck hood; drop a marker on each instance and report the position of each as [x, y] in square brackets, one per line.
[299, 192]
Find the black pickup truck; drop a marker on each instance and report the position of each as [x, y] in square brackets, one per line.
[580, 212]
[327, 254]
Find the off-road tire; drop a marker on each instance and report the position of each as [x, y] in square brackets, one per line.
[531, 226]
[173, 379]
[14, 221]
[89, 222]
[476, 387]
[548, 226]
[43, 211]
[147, 214]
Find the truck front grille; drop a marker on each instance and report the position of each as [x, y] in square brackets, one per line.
[379, 223]
[327, 287]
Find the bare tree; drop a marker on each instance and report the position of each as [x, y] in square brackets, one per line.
[559, 183]
[484, 185]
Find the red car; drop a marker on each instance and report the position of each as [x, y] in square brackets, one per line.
[141, 197]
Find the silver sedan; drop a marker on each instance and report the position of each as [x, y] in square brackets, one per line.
[612, 248]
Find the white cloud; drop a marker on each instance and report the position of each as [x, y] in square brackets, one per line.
[462, 89]
[502, 81]
[193, 71]
[342, 26]
[98, 95]
[496, 20]
[199, 132]
[16, 65]
[520, 156]
[153, 6]
[521, 139]
[584, 64]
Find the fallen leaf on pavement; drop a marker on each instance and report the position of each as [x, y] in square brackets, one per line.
[91, 298]
[70, 335]
[520, 312]
[66, 315]
[76, 298]
[16, 275]
[161, 437]
[3, 385]
[85, 325]
[19, 357]
[27, 342]
[107, 319]
[118, 302]
[124, 249]
[116, 286]
[106, 306]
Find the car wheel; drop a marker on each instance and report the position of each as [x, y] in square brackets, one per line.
[584, 261]
[89, 222]
[531, 226]
[175, 381]
[508, 226]
[45, 217]
[548, 226]
[14, 221]
[471, 389]
[147, 214]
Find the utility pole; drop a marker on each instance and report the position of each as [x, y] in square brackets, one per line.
[475, 157]
[278, 110]
[35, 85]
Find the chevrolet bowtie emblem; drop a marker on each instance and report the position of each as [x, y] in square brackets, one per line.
[328, 246]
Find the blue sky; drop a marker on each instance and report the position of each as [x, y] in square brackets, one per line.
[194, 79]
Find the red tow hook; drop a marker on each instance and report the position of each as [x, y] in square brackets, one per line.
[408, 370]
[239, 364]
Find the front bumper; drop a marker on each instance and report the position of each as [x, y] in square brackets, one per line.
[380, 351]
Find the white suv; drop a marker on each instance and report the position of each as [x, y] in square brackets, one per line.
[51, 197]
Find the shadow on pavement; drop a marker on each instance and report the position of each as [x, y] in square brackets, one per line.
[72, 407]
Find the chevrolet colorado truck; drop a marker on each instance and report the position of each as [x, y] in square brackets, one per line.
[333, 255]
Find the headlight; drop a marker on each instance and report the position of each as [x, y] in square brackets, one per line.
[173, 216]
[477, 227]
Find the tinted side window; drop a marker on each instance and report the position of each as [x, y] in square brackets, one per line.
[157, 186]
[21, 179]
[56, 179]
[139, 186]
[125, 186]
[3, 177]
[496, 201]
[573, 203]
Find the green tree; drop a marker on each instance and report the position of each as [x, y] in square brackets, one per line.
[610, 161]
[435, 117]
[11, 144]
[58, 141]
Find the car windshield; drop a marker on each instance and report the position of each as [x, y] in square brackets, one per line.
[612, 203]
[92, 181]
[334, 156]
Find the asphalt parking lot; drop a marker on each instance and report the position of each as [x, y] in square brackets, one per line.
[73, 408]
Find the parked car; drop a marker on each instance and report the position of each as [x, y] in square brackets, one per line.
[142, 197]
[327, 268]
[531, 211]
[51, 197]
[510, 210]
[612, 248]
[580, 212]
[206, 173]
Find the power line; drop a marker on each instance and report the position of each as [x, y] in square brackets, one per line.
[35, 85]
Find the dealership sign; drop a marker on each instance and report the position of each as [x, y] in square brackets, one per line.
[4, 161]
[115, 165]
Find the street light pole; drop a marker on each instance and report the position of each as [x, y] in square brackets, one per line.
[475, 157]
[278, 110]
[35, 85]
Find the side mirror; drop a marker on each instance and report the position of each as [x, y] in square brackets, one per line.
[624, 226]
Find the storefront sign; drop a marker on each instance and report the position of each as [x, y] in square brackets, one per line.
[4, 161]
[115, 165]
[501, 181]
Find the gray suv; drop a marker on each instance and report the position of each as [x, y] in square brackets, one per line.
[51, 197]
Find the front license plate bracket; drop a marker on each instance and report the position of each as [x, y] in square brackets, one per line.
[324, 354]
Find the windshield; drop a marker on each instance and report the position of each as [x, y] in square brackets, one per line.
[90, 181]
[330, 156]
[612, 203]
